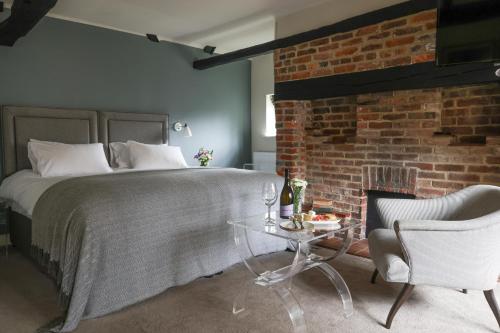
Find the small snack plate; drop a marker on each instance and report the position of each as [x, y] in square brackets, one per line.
[289, 226]
[329, 225]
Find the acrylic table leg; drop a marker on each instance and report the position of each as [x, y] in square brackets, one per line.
[245, 252]
[340, 285]
[345, 244]
[240, 301]
[293, 308]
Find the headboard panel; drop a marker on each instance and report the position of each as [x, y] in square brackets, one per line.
[19, 124]
[141, 127]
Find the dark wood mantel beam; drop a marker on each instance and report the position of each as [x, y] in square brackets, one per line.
[416, 76]
[384, 14]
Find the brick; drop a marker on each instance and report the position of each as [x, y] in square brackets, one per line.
[367, 30]
[431, 192]
[322, 56]
[344, 69]
[487, 130]
[491, 179]
[397, 62]
[473, 101]
[340, 37]
[447, 185]
[318, 42]
[404, 157]
[305, 52]
[392, 133]
[372, 47]
[303, 59]
[400, 41]
[424, 16]
[397, 116]
[378, 156]
[426, 57]
[463, 177]
[379, 36]
[393, 24]
[346, 51]
[431, 175]
[376, 124]
[420, 150]
[493, 159]
[410, 30]
[352, 41]
[449, 167]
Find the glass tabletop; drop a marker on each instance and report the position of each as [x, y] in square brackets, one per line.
[256, 223]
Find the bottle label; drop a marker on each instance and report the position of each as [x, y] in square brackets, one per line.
[286, 211]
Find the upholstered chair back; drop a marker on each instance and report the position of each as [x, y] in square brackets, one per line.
[478, 200]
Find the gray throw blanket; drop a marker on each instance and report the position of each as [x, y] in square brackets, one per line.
[114, 240]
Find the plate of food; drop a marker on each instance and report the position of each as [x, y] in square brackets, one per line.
[321, 221]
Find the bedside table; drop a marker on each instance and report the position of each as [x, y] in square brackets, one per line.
[4, 225]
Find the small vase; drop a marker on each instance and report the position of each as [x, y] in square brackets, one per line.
[204, 163]
[297, 201]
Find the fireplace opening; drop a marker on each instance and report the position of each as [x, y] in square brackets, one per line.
[372, 217]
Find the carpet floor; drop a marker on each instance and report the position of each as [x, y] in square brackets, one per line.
[28, 301]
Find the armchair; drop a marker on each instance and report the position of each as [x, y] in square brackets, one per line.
[452, 242]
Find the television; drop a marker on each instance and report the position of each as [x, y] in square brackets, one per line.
[468, 31]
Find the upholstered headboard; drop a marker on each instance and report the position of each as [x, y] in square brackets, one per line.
[19, 124]
[141, 127]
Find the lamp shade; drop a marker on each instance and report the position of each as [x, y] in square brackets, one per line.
[187, 131]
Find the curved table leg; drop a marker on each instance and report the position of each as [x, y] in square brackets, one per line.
[339, 283]
[240, 301]
[348, 236]
[279, 281]
[292, 306]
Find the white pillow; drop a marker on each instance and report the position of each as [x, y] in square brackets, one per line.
[52, 159]
[147, 157]
[119, 155]
[32, 158]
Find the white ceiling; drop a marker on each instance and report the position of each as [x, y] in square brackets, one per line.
[227, 24]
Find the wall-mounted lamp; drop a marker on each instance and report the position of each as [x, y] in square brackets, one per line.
[180, 127]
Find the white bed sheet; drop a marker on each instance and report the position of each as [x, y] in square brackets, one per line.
[23, 189]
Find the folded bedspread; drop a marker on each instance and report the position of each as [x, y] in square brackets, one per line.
[114, 240]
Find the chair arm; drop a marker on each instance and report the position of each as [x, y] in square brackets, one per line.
[454, 254]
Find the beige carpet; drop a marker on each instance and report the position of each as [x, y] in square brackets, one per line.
[28, 300]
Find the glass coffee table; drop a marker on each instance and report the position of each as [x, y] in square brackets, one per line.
[307, 255]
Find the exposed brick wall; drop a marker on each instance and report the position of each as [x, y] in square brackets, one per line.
[403, 41]
[346, 146]
[331, 140]
[472, 114]
[290, 131]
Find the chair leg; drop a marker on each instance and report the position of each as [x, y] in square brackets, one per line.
[374, 276]
[403, 296]
[490, 297]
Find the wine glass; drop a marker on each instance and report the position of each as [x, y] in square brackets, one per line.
[269, 195]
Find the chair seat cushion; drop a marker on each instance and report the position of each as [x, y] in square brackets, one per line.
[387, 255]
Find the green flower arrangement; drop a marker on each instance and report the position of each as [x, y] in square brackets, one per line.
[299, 189]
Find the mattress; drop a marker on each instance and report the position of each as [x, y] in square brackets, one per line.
[22, 189]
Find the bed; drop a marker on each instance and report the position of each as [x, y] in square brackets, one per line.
[112, 240]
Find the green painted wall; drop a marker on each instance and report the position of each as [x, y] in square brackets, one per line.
[72, 65]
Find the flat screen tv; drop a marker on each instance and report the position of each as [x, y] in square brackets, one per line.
[468, 31]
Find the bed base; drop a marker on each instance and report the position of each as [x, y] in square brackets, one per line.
[20, 233]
